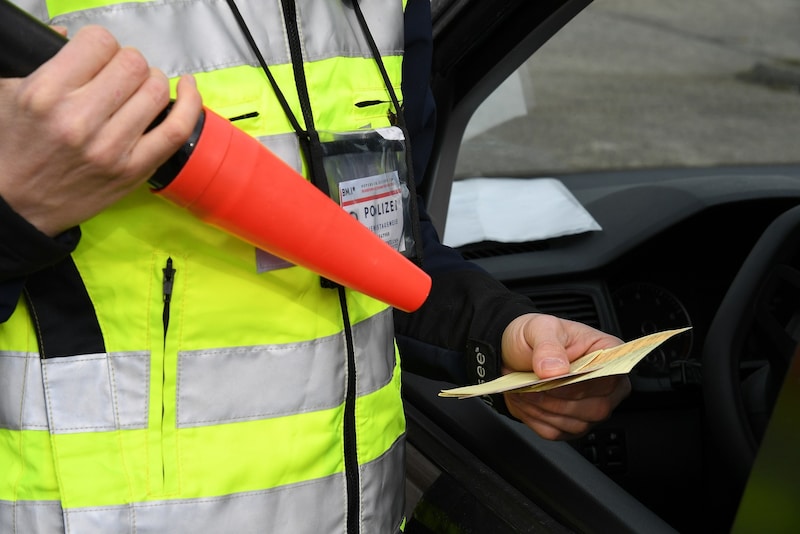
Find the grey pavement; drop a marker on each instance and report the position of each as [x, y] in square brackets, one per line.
[649, 83]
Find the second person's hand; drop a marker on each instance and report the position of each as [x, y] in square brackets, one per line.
[546, 345]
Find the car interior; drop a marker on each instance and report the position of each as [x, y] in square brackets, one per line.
[716, 248]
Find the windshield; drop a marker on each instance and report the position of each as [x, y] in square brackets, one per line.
[633, 84]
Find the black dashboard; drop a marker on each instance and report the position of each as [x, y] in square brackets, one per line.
[670, 246]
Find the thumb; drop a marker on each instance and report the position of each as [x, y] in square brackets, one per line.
[536, 342]
[549, 355]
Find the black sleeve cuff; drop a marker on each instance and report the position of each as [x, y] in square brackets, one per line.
[484, 365]
[24, 249]
[466, 313]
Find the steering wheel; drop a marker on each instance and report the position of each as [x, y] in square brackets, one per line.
[753, 324]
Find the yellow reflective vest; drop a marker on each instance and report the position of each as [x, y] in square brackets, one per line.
[218, 390]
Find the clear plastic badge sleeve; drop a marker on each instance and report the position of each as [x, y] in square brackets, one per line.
[368, 177]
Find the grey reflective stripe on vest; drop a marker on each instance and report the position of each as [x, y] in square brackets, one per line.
[22, 395]
[214, 386]
[310, 507]
[286, 147]
[229, 385]
[117, 382]
[383, 489]
[31, 517]
[97, 392]
[207, 37]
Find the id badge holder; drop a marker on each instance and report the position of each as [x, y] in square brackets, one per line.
[367, 175]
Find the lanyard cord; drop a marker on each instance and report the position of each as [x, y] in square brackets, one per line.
[376, 54]
[401, 122]
[293, 35]
[289, 10]
[309, 138]
[278, 93]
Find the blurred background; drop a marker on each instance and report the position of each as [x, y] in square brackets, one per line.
[648, 83]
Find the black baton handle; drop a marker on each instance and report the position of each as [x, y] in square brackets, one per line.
[25, 42]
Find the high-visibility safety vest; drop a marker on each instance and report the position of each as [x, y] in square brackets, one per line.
[220, 397]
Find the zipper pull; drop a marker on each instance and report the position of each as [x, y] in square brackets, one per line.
[167, 283]
[169, 280]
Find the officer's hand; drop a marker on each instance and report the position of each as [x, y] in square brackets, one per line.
[73, 141]
[545, 345]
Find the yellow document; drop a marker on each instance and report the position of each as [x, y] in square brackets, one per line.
[617, 360]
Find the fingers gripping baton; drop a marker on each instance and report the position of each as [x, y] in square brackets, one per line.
[229, 180]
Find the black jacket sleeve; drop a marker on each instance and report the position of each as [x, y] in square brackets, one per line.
[25, 250]
[455, 335]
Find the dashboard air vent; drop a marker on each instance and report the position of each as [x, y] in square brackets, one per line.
[568, 305]
[489, 249]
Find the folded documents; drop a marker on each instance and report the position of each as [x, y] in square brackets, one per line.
[617, 360]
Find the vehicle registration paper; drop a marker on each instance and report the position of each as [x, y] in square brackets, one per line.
[604, 362]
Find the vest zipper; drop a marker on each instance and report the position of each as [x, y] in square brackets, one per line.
[351, 471]
[168, 282]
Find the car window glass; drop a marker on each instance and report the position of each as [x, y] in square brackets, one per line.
[647, 84]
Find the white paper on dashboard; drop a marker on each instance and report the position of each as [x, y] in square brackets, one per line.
[513, 210]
